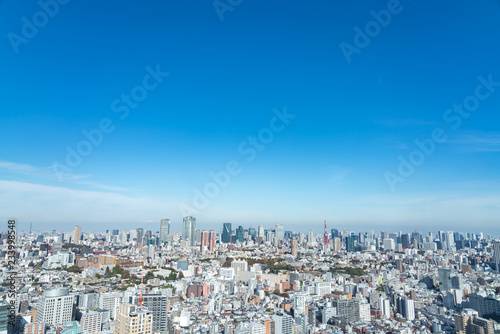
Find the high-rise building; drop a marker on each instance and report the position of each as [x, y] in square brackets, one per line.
[226, 233]
[140, 237]
[496, 254]
[204, 241]
[405, 240]
[349, 244]
[260, 231]
[211, 241]
[77, 234]
[279, 232]
[239, 234]
[189, 230]
[157, 303]
[132, 319]
[164, 230]
[55, 307]
[310, 237]
[294, 246]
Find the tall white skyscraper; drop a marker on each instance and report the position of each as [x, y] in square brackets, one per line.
[189, 230]
[55, 307]
[260, 231]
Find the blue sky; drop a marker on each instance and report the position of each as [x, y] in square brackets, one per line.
[351, 120]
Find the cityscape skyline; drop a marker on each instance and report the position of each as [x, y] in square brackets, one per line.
[305, 113]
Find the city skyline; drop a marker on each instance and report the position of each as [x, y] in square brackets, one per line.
[213, 116]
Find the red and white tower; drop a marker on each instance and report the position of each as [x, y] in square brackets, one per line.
[325, 242]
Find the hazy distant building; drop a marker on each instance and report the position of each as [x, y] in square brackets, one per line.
[226, 233]
[211, 240]
[239, 234]
[204, 241]
[279, 232]
[77, 234]
[189, 230]
[164, 230]
[294, 246]
[140, 237]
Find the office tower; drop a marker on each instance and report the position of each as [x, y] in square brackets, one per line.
[252, 232]
[310, 237]
[115, 232]
[444, 275]
[409, 310]
[389, 244]
[226, 233]
[496, 254]
[140, 237]
[77, 234]
[295, 247]
[164, 230]
[189, 230]
[383, 235]
[337, 245]
[157, 304]
[211, 241]
[279, 232]
[239, 234]
[302, 236]
[204, 241]
[405, 240]
[385, 307]
[133, 319]
[91, 322]
[283, 324]
[299, 303]
[364, 311]
[55, 307]
[349, 244]
[260, 231]
[335, 233]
